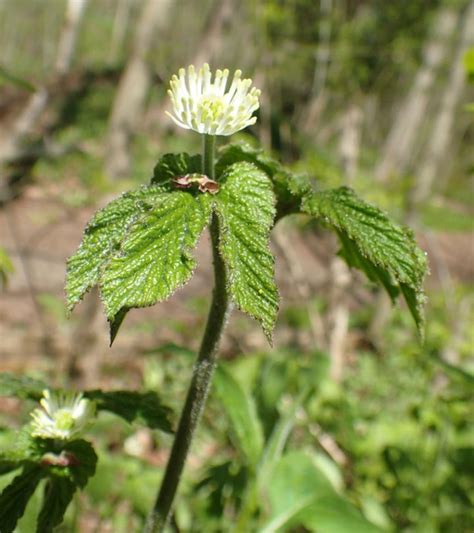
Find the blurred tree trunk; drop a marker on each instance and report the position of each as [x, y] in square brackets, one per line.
[339, 317]
[127, 109]
[119, 31]
[70, 31]
[13, 136]
[439, 140]
[211, 42]
[340, 275]
[261, 80]
[399, 147]
[349, 146]
[318, 99]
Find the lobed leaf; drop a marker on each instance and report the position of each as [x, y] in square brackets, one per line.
[137, 247]
[65, 470]
[246, 209]
[83, 463]
[134, 406]
[290, 188]
[385, 251]
[154, 258]
[102, 238]
[15, 496]
[57, 497]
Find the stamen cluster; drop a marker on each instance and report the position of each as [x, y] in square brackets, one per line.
[206, 106]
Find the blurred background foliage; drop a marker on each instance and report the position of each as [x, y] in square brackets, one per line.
[378, 95]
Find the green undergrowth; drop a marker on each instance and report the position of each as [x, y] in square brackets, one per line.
[398, 428]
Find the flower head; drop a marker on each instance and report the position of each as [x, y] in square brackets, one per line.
[204, 105]
[63, 415]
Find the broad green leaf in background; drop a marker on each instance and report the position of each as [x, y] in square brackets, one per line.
[277, 441]
[289, 188]
[241, 410]
[298, 491]
[154, 258]
[134, 406]
[246, 209]
[334, 514]
[294, 484]
[14, 498]
[385, 251]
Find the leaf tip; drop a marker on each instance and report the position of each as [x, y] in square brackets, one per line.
[115, 322]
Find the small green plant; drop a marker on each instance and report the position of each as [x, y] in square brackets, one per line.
[138, 250]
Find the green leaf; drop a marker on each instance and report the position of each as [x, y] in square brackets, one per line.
[301, 495]
[134, 407]
[172, 165]
[385, 251]
[15, 496]
[103, 237]
[240, 408]
[469, 63]
[154, 258]
[137, 250]
[277, 441]
[334, 514]
[289, 188]
[83, 463]
[6, 267]
[67, 470]
[21, 386]
[26, 452]
[245, 206]
[58, 495]
[239, 152]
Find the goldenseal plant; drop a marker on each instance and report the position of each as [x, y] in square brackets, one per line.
[63, 415]
[138, 250]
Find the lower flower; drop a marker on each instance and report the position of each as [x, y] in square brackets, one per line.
[63, 415]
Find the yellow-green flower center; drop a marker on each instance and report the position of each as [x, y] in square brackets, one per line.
[64, 419]
[211, 108]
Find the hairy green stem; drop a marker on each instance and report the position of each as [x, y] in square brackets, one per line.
[208, 151]
[202, 372]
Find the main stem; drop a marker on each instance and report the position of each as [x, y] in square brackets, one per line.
[202, 372]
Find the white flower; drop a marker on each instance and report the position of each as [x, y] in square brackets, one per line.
[203, 105]
[63, 415]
